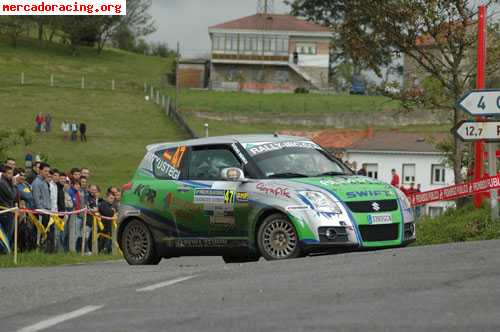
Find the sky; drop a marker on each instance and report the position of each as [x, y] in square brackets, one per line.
[187, 21]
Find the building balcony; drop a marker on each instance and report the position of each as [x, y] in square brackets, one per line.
[251, 58]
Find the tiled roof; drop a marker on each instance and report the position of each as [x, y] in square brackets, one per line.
[370, 140]
[333, 139]
[271, 22]
[402, 142]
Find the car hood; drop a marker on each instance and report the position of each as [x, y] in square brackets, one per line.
[351, 188]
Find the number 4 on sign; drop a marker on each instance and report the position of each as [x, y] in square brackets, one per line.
[481, 103]
[484, 102]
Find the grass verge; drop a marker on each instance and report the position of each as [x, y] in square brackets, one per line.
[280, 103]
[458, 225]
[37, 258]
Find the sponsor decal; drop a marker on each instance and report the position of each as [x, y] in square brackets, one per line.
[166, 165]
[297, 208]
[379, 219]
[146, 193]
[239, 153]
[256, 149]
[174, 156]
[214, 196]
[273, 191]
[242, 197]
[369, 193]
[354, 180]
[200, 243]
[181, 208]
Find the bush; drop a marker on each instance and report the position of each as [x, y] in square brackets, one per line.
[301, 90]
[458, 225]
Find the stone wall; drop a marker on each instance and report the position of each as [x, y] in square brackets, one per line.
[391, 119]
[255, 77]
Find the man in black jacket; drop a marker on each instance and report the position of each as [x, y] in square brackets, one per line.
[106, 209]
[83, 132]
[7, 198]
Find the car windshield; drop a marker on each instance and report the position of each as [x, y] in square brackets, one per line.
[305, 160]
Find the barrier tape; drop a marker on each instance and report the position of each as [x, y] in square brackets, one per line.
[456, 191]
[5, 210]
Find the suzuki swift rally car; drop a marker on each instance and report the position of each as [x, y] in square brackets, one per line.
[242, 197]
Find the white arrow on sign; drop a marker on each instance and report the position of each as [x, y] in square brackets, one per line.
[470, 131]
[482, 102]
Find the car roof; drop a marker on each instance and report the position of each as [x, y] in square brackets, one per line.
[229, 139]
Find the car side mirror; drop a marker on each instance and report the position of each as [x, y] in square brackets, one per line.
[233, 174]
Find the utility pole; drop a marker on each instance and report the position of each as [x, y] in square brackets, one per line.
[177, 77]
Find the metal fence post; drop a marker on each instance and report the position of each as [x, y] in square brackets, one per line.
[162, 100]
[83, 82]
[113, 84]
[145, 88]
[95, 249]
[167, 106]
[22, 78]
[114, 237]
[52, 80]
[492, 169]
[157, 97]
[151, 93]
[16, 225]
[84, 232]
[206, 129]
[71, 233]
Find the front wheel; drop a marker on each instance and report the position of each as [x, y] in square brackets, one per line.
[138, 244]
[277, 238]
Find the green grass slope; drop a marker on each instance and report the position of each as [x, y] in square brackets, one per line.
[120, 122]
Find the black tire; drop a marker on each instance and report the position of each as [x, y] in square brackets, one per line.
[138, 244]
[228, 259]
[277, 238]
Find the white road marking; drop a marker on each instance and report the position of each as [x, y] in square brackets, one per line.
[163, 284]
[60, 318]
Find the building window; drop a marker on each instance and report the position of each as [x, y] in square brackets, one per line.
[248, 44]
[372, 170]
[408, 173]
[218, 43]
[306, 48]
[268, 44]
[228, 45]
[435, 211]
[438, 174]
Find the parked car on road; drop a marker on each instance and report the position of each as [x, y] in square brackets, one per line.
[243, 197]
[358, 88]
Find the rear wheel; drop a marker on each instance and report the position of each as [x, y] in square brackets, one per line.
[277, 238]
[138, 244]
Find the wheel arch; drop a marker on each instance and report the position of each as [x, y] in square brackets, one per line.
[261, 216]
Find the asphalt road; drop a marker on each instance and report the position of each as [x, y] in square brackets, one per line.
[437, 288]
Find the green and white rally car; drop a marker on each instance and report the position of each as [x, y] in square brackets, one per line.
[242, 197]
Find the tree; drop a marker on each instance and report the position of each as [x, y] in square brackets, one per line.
[11, 138]
[439, 36]
[13, 27]
[138, 20]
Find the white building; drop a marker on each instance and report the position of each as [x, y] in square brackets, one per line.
[415, 159]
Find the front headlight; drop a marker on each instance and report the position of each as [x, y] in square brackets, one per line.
[321, 202]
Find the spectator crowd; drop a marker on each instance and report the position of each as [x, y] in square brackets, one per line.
[41, 187]
[70, 129]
